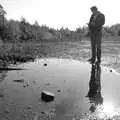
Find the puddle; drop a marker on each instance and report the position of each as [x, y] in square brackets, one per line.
[78, 88]
[19, 81]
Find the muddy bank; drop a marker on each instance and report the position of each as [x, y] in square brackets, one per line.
[78, 50]
[12, 53]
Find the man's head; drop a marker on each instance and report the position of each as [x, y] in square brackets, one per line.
[94, 9]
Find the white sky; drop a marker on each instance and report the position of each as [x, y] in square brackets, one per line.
[58, 13]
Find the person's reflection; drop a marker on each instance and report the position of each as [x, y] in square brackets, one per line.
[94, 92]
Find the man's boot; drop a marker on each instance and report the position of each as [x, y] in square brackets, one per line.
[91, 60]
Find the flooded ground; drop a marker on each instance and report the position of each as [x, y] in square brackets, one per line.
[78, 88]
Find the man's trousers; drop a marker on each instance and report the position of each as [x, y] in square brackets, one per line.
[95, 37]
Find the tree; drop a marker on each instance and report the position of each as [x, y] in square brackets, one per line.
[2, 21]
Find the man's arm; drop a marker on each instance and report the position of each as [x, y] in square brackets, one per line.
[2, 13]
[91, 23]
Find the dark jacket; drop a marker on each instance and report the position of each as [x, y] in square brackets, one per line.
[96, 21]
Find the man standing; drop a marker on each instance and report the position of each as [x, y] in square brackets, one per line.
[97, 20]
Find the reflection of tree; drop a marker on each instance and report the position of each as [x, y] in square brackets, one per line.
[94, 92]
[3, 74]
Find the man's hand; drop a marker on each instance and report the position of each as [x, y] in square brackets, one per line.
[2, 12]
[87, 24]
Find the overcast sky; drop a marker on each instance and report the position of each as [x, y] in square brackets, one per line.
[58, 13]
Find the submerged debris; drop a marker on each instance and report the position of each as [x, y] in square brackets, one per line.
[45, 64]
[45, 115]
[110, 70]
[58, 90]
[29, 107]
[20, 80]
[7, 110]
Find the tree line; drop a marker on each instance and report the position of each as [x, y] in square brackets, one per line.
[14, 30]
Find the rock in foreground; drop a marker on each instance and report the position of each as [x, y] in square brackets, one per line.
[47, 96]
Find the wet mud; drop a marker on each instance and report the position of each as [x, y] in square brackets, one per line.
[82, 90]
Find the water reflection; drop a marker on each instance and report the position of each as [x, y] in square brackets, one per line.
[3, 74]
[71, 78]
[94, 92]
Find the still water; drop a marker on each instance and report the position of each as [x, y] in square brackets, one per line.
[78, 88]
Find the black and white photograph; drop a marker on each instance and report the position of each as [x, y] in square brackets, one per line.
[59, 60]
